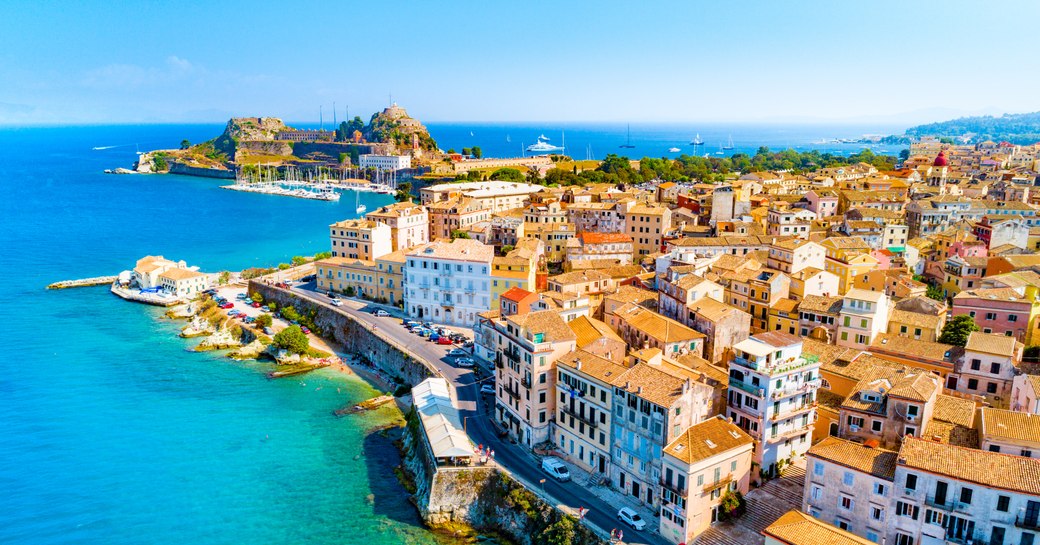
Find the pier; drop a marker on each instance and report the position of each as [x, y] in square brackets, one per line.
[323, 194]
[82, 283]
[147, 298]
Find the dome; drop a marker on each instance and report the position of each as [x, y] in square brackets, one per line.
[940, 160]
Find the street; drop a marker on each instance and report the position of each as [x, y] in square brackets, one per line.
[476, 411]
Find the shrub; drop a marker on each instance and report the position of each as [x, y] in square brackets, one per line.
[293, 340]
[257, 298]
[732, 505]
[349, 291]
[264, 320]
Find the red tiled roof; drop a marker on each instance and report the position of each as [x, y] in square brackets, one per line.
[602, 238]
[515, 294]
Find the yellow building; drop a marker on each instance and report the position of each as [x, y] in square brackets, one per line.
[390, 278]
[848, 257]
[348, 276]
[554, 236]
[783, 316]
[647, 224]
[516, 269]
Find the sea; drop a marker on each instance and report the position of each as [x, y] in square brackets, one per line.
[112, 432]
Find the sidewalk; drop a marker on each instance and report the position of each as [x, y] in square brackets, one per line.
[617, 500]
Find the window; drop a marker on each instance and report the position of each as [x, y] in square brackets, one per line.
[991, 387]
[973, 384]
[976, 364]
[1012, 317]
[911, 481]
[903, 539]
[879, 489]
[966, 496]
[846, 503]
[997, 537]
[842, 523]
[815, 492]
[875, 425]
[848, 478]
[818, 469]
[877, 513]
[1002, 503]
[994, 368]
[994, 448]
[908, 510]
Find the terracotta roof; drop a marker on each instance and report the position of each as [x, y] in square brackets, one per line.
[1003, 425]
[632, 294]
[592, 365]
[874, 461]
[710, 438]
[915, 319]
[954, 410]
[951, 434]
[1004, 471]
[655, 325]
[547, 322]
[652, 383]
[459, 249]
[820, 304]
[515, 294]
[603, 238]
[712, 309]
[777, 339]
[578, 277]
[895, 345]
[829, 399]
[180, 274]
[918, 387]
[991, 343]
[589, 330]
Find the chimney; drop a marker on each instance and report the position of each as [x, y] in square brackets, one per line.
[627, 384]
[577, 364]
[639, 389]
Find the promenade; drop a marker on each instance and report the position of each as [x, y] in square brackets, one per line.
[476, 412]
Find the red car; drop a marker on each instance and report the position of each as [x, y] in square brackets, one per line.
[257, 305]
[229, 304]
[305, 330]
[444, 340]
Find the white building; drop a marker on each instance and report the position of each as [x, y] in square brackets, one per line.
[448, 282]
[772, 396]
[385, 162]
[494, 195]
[864, 316]
[184, 282]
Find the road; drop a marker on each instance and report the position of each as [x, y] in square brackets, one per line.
[476, 411]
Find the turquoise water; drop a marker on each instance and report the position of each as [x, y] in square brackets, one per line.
[111, 432]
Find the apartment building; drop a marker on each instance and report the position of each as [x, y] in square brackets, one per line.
[988, 367]
[699, 467]
[1009, 432]
[647, 224]
[793, 255]
[643, 328]
[453, 215]
[772, 396]
[527, 347]
[863, 316]
[360, 239]
[409, 223]
[584, 408]
[850, 486]
[448, 282]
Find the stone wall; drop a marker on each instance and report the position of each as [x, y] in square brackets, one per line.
[181, 168]
[484, 499]
[394, 360]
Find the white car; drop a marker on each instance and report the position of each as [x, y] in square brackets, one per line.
[381, 313]
[456, 352]
[336, 302]
[487, 389]
[464, 362]
[631, 518]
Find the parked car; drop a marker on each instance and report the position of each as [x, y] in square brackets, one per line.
[444, 340]
[227, 305]
[248, 300]
[240, 296]
[265, 308]
[381, 313]
[434, 336]
[233, 312]
[631, 518]
[256, 305]
[464, 362]
[305, 330]
[336, 303]
[282, 285]
[268, 331]
[487, 389]
[456, 352]
[557, 470]
[309, 278]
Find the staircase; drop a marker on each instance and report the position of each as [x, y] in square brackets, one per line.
[764, 505]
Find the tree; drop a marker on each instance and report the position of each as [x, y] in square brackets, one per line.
[257, 298]
[904, 155]
[732, 505]
[298, 260]
[264, 320]
[476, 152]
[451, 150]
[458, 233]
[224, 278]
[533, 176]
[289, 313]
[293, 340]
[956, 331]
[185, 144]
[404, 192]
[935, 292]
[159, 162]
[508, 175]
[465, 151]
[561, 532]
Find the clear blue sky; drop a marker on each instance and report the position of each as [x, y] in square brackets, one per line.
[104, 61]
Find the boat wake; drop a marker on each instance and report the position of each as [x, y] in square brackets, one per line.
[99, 148]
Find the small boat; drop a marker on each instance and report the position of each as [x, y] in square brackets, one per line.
[360, 207]
[697, 140]
[138, 149]
[543, 145]
[729, 146]
[674, 149]
[471, 133]
[628, 139]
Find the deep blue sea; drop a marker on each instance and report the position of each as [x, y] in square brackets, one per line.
[111, 433]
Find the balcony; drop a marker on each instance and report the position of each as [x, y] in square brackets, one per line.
[948, 505]
[796, 390]
[804, 407]
[710, 487]
[784, 435]
[498, 361]
[672, 488]
[741, 385]
[515, 394]
[526, 382]
[574, 414]
[512, 355]
[1027, 522]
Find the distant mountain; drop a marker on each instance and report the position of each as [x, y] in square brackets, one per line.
[1014, 128]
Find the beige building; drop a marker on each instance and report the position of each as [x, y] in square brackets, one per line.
[409, 224]
[699, 467]
[584, 397]
[498, 196]
[647, 224]
[526, 349]
[183, 282]
[360, 239]
[642, 328]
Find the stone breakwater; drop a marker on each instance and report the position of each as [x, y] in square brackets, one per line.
[82, 283]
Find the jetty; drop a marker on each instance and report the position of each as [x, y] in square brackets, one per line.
[366, 405]
[298, 369]
[82, 283]
[160, 299]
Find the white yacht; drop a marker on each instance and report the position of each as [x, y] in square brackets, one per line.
[674, 149]
[697, 140]
[543, 145]
[360, 207]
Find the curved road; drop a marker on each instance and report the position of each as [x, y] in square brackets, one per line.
[476, 412]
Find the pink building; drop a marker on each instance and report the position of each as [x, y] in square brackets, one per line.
[884, 257]
[974, 248]
[1003, 311]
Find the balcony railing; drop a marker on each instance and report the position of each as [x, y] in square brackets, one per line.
[577, 416]
[525, 382]
[804, 407]
[1029, 522]
[718, 484]
[948, 505]
[793, 391]
[751, 389]
[513, 355]
[515, 394]
[672, 488]
[783, 435]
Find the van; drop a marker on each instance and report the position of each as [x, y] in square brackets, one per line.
[555, 467]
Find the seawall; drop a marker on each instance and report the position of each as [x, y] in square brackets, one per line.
[396, 361]
[457, 500]
[181, 168]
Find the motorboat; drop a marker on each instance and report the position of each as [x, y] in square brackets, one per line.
[674, 149]
[543, 145]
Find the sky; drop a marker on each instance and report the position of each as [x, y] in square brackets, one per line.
[90, 62]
